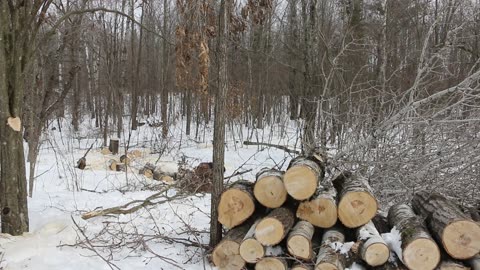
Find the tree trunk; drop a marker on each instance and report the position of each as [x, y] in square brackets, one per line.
[418, 250]
[269, 189]
[357, 205]
[273, 228]
[219, 124]
[302, 177]
[458, 233]
[299, 241]
[373, 250]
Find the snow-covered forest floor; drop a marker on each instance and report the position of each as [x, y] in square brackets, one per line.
[157, 237]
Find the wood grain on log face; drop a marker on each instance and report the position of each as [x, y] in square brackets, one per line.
[274, 227]
[450, 265]
[226, 256]
[302, 267]
[299, 242]
[320, 211]
[301, 178]
[356, 208]
[271, 263]
[236, 205]
[421, 254]
[461, 239]
[251, 250]
[269, 189]
[376, 254]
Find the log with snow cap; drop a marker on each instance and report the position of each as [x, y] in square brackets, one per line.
[373, 250]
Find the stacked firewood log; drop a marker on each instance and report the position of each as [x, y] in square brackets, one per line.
[300, 219]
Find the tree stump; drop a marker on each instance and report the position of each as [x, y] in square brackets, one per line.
[357, 205]
[269, 189]
[418, 250]
[458, 233]
[113, 146]
[373, 250]
[302, 177]
[321, 210]
[251, 249]
[299, 241]
[273, 228]
[226, 255]
[328, 258]
[236, 204]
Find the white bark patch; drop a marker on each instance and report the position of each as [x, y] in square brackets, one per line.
[14, 123]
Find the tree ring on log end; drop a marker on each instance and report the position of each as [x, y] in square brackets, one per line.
[321, 212]
[297, 180]
[270, 263]
[251, 250]
[300, 247]
[269, 231]
[356, 208]
[461, 239]
[270, 191]
[235, 207]
[421, 254]
[377, 254]
[226, 256]
[326, 266]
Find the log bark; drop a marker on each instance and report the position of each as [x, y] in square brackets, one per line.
[269, 189]
[418, 250]
[475, 262]
[237, 204]
[452, 265]
[273, 228]
[299, 241]
[302, 177]
[226, 255]
[328, 258]
[458, 233]
[113, 146]
[357, 205]
[321, 210]
[372, 249]
[251, 250]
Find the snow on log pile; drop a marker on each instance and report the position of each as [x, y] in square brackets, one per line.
[299, 219]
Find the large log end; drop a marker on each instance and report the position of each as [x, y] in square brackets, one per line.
[300, 182]
[357, 208]
[461, 239]
[226, 256]
[236, 206]
[270, 191]
[321, 212]
[421, 253]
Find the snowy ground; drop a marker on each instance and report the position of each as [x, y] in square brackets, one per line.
[60, 239]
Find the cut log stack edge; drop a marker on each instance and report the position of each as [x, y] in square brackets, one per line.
[301, 220]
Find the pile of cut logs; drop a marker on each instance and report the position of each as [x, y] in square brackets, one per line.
[299, 219]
